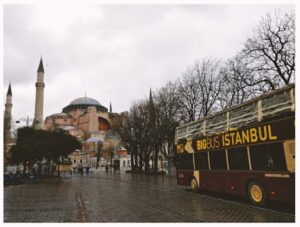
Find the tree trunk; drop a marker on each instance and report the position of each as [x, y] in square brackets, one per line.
[147, 165]
[132, 161]
[48, 167]
[24, 168]
[58, 171]
[39, 170]
[141, 162]
[135, 161]
[156, 151]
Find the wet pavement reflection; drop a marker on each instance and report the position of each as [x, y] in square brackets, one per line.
[101, 197]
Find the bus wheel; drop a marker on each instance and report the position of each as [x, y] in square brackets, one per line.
[257, 193]
[194, 185]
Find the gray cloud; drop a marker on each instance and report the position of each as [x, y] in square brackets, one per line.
[114, 52]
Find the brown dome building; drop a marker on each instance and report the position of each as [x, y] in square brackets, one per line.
[84, 118]
[89, 121]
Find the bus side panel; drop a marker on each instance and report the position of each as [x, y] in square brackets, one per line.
[210, 181]
[237, 182]
[184, 177]
[279, 188]
[223, 181]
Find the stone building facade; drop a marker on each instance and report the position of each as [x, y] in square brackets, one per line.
[89, 121]
[84, 117]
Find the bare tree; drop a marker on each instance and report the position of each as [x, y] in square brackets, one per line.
[188, 89]
[207, 72]
[198, 89]
[141, 130]
[234, 90]
[167, 107]
[153, 131]
[270, 52]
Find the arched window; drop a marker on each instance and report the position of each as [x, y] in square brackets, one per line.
[124, 163]
[103, 124]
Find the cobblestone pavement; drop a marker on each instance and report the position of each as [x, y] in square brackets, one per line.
[124, 198]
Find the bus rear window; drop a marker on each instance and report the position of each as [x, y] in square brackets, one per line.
[217, 159]
[268, 157]
[184, 162]
[238, 158]
[201, 161]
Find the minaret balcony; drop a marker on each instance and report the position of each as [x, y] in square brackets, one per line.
[39, 84]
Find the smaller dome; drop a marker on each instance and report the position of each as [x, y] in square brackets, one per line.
[59, 115]
[85, 101]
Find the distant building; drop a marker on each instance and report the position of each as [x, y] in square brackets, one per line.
[79, 159]
[84, 117]
[88, 120]
[124, 158]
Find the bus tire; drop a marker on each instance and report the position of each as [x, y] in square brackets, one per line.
[257, 194]
[194, 185]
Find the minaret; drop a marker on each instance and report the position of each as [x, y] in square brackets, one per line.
[7, 114]
[110, 108]
[39, 98]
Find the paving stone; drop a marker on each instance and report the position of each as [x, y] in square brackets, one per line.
[124, 198]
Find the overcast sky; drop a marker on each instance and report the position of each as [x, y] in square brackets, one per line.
[114, 53]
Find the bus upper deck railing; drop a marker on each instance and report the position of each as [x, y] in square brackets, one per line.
[268, 105]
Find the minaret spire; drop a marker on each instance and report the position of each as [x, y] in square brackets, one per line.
[41, 66]
[9, 90]
[110, 108]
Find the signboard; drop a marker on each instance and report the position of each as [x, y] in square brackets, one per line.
[64, 167]
[267, 132]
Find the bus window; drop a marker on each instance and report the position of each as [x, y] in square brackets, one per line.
[217, 159]
[238, 158]
[201, 161]
[268, 157]
[185, 163]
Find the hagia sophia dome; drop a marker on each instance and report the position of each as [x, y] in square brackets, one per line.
[85, 100]
[84, 117]
[84, 103]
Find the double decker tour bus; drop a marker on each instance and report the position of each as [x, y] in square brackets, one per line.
[247, 150]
